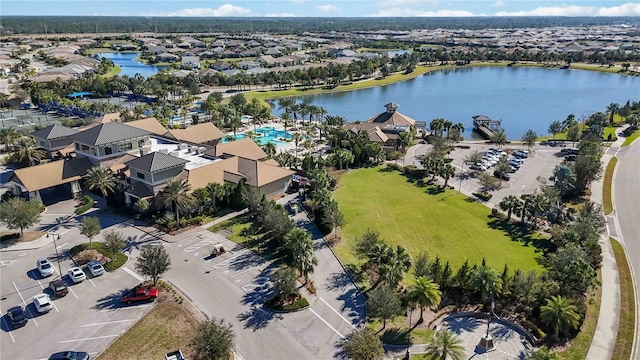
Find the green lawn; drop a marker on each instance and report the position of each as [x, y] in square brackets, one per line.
[629, 139]
[624, 341]
[115, 70]
[606, 192]
[445, 224]
[563, 136]
[246, 233]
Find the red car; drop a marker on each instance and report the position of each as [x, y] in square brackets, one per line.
[139, 294]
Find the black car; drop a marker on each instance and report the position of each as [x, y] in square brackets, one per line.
[501, 175]
[69, 355]
[17, 316]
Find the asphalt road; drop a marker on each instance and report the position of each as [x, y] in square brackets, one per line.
[627, 209]
[87, 319]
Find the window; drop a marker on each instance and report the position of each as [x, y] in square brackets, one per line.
[77, 146]
[125, 147]
[139, 175]
[85, 148]
[108, 150]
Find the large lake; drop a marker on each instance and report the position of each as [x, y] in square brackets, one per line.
[524, 98]
[128, 64]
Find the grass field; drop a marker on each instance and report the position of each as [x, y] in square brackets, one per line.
[167, 327]
[115, 70]
[581, 343]
[445, 224]
[624, 341]
[563, 136]
[607, 198]
[246, 233]
[629, 139]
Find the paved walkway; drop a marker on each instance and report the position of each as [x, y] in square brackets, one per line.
[604, 338]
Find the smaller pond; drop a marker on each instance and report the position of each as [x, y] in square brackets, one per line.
[130, 66]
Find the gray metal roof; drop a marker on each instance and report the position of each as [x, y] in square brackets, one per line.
[108, 133]
[155, 161]
[54, 132]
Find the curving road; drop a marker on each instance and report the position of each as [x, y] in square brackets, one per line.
[626, 195]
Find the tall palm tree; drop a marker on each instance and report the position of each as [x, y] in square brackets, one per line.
[216, 191]
[543, 354]
[425, 293]
[270, 149]
[612, 109]
[509, 204]
[101, 179]
[176, 193]
[201, 198]
[564, 179]
[286, 118]
[447, 172]
[487, 281]
[445, 345]
[559, 313]
[396, 264]
[303, 258]
[8, 136]
[26, 151]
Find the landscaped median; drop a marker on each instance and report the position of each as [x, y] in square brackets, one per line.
[626, 326]
[111, 260]
[607, 196]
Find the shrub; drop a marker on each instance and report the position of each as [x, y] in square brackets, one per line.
[86, 203]
[394, 166]
[275, 304]
[483, 195]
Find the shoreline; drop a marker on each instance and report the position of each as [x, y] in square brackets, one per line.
[270, 95]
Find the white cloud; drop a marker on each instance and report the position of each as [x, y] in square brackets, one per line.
[628, 9]
[397, 3]
[408, 12]
[222, 10]
[280, 15]
[327, 8]
[499, 4]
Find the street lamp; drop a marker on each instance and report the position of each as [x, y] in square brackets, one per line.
[408, 354]
[487, 341]
[53, 235]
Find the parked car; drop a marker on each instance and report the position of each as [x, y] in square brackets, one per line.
[516, 160]
[59, 288]
[70, 355]
[571, 157]
[95, 268]
[570, 151]
[42, 303]
[521, 153]
[139, 294]
[77, 275]
[515, 164]
[44, 267]
[501, 175]
[17, 316]
[478, 166]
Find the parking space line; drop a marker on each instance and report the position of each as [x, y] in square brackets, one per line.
[127, 308]
[94, 285]
[329, 325]
[61, 246]
[25, 305]
[52, 303]
[90, 338]
[21, 298]
[7, 327]
[109, 322]
[244, 271]
[337, 313]
[138, 277]
[73, 292]
[224, 263]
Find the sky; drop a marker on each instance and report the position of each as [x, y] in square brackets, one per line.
[320, 8]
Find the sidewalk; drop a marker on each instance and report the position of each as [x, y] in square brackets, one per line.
[604, 338]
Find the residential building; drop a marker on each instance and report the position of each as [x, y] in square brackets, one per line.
[53, 138]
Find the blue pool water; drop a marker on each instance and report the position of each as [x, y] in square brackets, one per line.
[265, 134]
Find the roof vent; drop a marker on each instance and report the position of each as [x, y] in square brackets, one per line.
[164, 151]
[175, 153]
[183, 146]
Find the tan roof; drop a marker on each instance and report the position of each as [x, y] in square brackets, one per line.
[151, 125]
[54, 173]
[196, 134]
[392, 118]
[109, 118]
[68, 150]
[204, 175]
[268, 173]
[243, 147]
[374, 131]
[271, 162]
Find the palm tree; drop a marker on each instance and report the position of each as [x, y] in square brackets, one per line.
[529, 138]
[216, 191]
[101, 179]
[487, 281]
[425, 293]
[509, 204]
[176, 193]
[445, 345]
[499, 137]
[285, 117]
[201, 198]
[270, 149]
[303, 258]
[559, 313]
[447, 172]
[555, 127]
[404, 139]
[8, 136]
[543, 354]
[564, 179]
[26, 151]
[613, 109]
[395, 265]
[437, 126]
[296, 139]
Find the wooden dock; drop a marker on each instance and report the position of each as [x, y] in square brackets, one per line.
[485, 126]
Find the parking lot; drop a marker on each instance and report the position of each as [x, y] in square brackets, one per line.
[534, 171]
[87, 319]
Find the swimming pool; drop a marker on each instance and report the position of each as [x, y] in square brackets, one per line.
[264, 135]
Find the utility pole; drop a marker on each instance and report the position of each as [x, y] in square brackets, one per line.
[56, 249]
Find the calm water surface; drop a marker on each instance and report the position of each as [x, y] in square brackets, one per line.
[524, 98]
[130, 66]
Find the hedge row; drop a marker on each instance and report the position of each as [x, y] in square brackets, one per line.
[86, 203]
[117, 258]
[297, 305]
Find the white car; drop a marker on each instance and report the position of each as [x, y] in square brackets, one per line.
[76, 275]
[42, 303]
[44, 267]
[95, 268]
